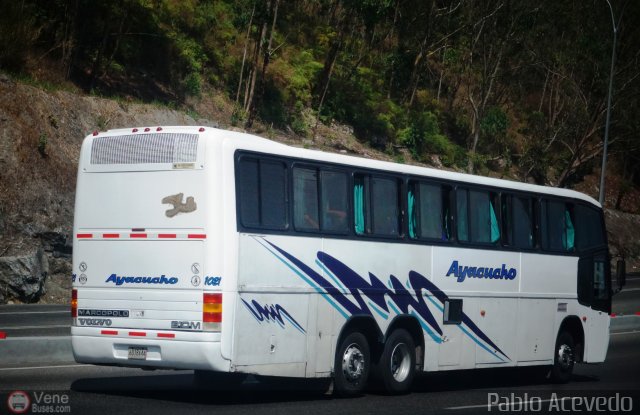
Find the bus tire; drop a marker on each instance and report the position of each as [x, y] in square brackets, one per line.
[398, 362]
[563, 358]
[352, 365]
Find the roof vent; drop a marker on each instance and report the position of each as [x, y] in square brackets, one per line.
[145, 149]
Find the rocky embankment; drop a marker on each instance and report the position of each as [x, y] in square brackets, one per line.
[40, 136]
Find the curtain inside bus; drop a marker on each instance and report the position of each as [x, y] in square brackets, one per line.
[412, 215]
[358, 208]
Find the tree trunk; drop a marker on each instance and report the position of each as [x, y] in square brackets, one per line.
[256, 61]
[273, 11]
[329, 64]
[244, 53]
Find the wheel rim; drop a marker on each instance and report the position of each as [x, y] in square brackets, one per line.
[565, 357]
[353, 363]
[400, 362]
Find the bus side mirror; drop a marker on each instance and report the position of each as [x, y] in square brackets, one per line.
[621, 273]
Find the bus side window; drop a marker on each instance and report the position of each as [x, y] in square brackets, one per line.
[589, 230]
[249, 192]
[376, 205]
[462, 215]
[483, 220]
[305, 199]
[557, 230]
[385, 206]
[334, 204]
[429, 211]
[518, 221]
[262, 193]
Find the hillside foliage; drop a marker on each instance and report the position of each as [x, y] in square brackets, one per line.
[515, 83]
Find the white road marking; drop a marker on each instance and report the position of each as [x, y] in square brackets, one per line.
[2, 313]
[41, 367]
[624, 332]
[486, 405]
[34, 327]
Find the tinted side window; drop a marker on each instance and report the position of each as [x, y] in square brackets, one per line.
[376, 206]
[518, 222]
[273, 192]
[557, 226]
[305, 199]
[428, 211]
[384, 203]
[589, 232]
[262, 193]
[480, 223]
[334, 206]
[462, 215]
[248, 192]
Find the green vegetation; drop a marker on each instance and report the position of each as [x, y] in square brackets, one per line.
[521, 82]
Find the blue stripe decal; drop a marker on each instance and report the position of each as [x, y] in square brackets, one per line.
[330, 274]
[478, 342]
[377, 310]
[354, 294]
[426, 328]
[295, 324]
[438, 306]
[318, 289]
[395, 310]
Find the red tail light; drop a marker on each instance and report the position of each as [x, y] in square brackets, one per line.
[212, 311]
[74, 303]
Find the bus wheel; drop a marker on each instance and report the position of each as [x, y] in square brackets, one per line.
[352, 364]
[564, 358]
[398, 362]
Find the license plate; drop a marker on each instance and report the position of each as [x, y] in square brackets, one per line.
[138, 353]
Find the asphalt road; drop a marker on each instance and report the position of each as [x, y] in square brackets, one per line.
[35, 320]
[627, 301]
[92, 389]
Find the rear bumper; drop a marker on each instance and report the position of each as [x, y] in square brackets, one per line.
[187, 350]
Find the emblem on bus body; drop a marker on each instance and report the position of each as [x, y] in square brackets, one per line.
[179, 206]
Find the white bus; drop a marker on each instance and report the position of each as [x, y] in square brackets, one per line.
[222, 252]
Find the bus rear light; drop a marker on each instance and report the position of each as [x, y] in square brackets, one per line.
[211, 311]
[159, 129]
[147, 129]
[74, 303]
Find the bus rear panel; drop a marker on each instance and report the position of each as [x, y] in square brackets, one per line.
[147, 289]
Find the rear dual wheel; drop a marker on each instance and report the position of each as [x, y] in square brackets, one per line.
[396, 368]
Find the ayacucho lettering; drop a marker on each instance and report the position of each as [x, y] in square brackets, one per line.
[120, 280]
[461, 272]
